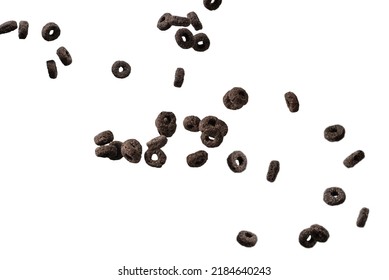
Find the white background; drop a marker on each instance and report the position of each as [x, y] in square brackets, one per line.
[66, 214]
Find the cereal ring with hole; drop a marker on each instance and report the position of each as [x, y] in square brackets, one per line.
[166, 123]
[159, 162]
[64, 56]
[164, 22]
[179, 77]
[23, 29]
[121, 69]
[362, 217]
[334, 196]
[235, 98]
[118, 146]
[237, 161]
[157, 142]
[354, 159]
[197, 159]
[274, 168]
[212, 121]
[52, 69]
[195, 21]
[247, 238]
[211, 137]
[106, 151]
[8, 26]
[184, 38]
[103, 138]
[179, 21]
[51, 31]
[334, 133]
[132, 150]
[212, 4]
[201, 42]
[191, 123]
[306, 238]
[292, 102]
[320, 233]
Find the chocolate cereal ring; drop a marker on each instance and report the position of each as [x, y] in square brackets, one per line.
[334, 196]
[179, 21]
[52, 69]
[121, 69]
[292, 102]
[237, 161]
[51, 31]
[118, 146]
[197, 159]
[179, 77]
[159, 162]
[191, 123]
[184, 38]
[274, 168]
[320, 233]
[212, 137]
[164, 22]
[106, 151]
[235, 98]
[103, 138]
[247, 238]
[306, 238]
[132, 150]
[195, 21]
[362, 217]
[64, 56]
[157, 142]
[354, 159]
[212, 121]
[212, 4]
[23, 29]
[166, 123]
[201, 42]
[8, 26]
[334, 133]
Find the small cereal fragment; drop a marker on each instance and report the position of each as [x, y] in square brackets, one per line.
[179, 21]
[274, 168]
[237, 161]
[121, 69]
[64, 56]
[184, 38]
[106, 151]
[334, 196]
[362, 217]
[334, 133]
[212, 137]
[320, 233]
[132, 150]
[195, 21]
[354, 158]
[118, 146]
[166, 123]
[201, 42]
[159, 162]
[292, 102]
[212, 4]
[179, 77]
[23, 29]
[164, 22]
[51, 31]
[103, 138]
[157, 142]
[8, 26]
[197, 159]
[191, 123]
[52, 69]
[247, 238]
[306, 238]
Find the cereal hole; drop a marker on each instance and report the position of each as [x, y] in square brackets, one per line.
[334, 193]
[154, 157]
[248, 235]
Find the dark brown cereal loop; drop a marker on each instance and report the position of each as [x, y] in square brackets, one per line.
[184, 38]
[179, 77]
[306, 238]
[191, 123]
[64, 56]
[334, 196]
[166, 123]
[23, 29]
[164, 22]
[320, 233]
[195, 21]
[52, 69]
[334, 133]
[179, 21]
[8, 26]
[292, 102]
[121, 69]
[132, 150]
[51, 31]
[212, 4]
[212, 137]
[235, 98]
[212, 121]
[362, 217]
[247, 238]
[222, 126]
[201, 42]
[103, 138]
[274, 168]
[354, 159]
[157, 142]
[118, 146]
[159, 162]
[197, 159]
[237, 161]
[106, 151]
